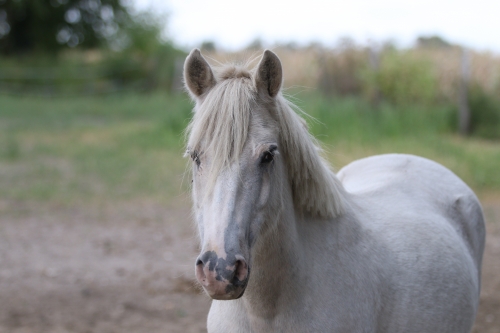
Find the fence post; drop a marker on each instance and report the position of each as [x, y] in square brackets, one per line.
[326, 84]
[374, 61]
[463, 101]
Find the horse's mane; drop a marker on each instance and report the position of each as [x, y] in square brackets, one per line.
[221, 125]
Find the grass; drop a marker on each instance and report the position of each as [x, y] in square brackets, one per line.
[129, 147]
[113, 148]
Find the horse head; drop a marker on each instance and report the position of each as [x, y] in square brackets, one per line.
[234, 147]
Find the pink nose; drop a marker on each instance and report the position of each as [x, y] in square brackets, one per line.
[222, 278]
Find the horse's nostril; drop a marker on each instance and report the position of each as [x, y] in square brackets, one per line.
[240, 270]
[200, 271]
[200, 274]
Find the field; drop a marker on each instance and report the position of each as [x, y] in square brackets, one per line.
[95, 226]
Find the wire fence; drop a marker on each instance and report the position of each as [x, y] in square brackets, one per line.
[99, 80]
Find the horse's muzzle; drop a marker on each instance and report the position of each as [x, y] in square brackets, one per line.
[222, 279]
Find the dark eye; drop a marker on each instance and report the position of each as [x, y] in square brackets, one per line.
[267, 157]
[196, 158]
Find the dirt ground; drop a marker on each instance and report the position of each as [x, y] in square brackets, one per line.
[129, 268]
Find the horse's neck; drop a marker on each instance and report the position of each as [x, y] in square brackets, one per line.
[276, 267]
[282, 266]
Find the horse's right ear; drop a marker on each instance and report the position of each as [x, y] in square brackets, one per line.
[269, 74]
[198, 75]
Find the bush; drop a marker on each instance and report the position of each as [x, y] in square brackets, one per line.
[144, 70]
[402, 78]
[138, 59]
[485, 113]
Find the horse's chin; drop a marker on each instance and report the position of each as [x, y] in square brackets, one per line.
[226, 297]
[231, 293]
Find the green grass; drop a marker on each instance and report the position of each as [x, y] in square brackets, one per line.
[130, 147]
[115, 148]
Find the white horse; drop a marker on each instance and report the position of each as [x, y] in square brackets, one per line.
[392, 243]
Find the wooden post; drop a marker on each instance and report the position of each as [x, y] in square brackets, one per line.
[374, 61]
[463, 102]
[326, 84]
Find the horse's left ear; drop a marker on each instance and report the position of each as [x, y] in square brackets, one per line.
[269, 74]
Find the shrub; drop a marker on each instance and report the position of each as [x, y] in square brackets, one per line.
[402, 78]
[485, 113]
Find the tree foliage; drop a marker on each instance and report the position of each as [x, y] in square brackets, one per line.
[51, 25]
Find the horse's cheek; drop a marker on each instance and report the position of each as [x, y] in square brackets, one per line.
[265, 191]
[198, 188]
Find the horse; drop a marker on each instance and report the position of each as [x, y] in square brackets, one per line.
[391, 243]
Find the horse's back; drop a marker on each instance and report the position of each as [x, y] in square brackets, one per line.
[413, 182]
[433, 225]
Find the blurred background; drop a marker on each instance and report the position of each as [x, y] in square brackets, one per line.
[95, 226]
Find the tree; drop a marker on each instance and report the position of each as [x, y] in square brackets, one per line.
[433, 42]
[51, 25]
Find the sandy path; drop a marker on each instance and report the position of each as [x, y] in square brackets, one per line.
[124, 268]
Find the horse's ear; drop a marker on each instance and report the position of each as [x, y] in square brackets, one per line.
[269, 75]
[198, 75]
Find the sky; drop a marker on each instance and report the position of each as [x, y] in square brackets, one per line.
[234, 24]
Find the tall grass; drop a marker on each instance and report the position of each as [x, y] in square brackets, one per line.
[352, 118]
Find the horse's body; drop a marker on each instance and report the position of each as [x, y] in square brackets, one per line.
[399, 251]
[390, 264]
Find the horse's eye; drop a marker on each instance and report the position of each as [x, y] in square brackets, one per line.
[267, 157]
[196, 158]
